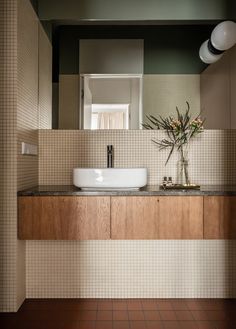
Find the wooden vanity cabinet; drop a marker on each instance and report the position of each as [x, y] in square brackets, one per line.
[164, 217]
[63, 218]
[126, 217]
[220, 217]
[134, 217]
[181, 217]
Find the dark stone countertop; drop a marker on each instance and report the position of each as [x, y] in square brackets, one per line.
[151, 190]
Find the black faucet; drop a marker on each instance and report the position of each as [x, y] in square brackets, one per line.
[110, 156]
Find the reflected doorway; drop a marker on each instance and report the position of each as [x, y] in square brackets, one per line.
[109, 101]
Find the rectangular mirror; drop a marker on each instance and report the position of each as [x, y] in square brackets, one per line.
[111, 77]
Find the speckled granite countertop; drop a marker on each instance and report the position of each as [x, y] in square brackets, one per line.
[50, 190]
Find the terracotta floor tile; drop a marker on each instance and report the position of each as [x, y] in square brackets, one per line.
[119, 306]
[219, 315]
[11, 325]
[120, 316]
[104, 316]
[134, 305]
[231, 303]
[86, 325]
[225, 325]
[194, 304]
[137, 325]
[152, 315]
[89, 306]
[114, 314]
[119, 300]
[104, 325]
[37, 316]
[179, 305]
[206, 325]
[171, 325]
[8, 320]
[38, 305]
[149, 305]
[103, 300]
[105, 305]
[78, 325]
[154, 324]
[213, 305]
[164, 305]
[188, 324]
[136, 315]
[168, 315]
[184, 315]
[41, 326]
[200, 315]
[70, 315]
[230, 314]
[120, 324]
[84, 315]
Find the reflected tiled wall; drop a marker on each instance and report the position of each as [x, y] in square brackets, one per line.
[27, 104]
[45, 79]
[212, 154]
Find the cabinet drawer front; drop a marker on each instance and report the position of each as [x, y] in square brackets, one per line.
[220, 217]
[134, 217]
[63, 218]
[181, 217]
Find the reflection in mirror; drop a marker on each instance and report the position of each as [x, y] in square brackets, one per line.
[110, 101]
[111, 77]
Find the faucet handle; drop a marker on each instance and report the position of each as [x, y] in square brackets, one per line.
[109, 156]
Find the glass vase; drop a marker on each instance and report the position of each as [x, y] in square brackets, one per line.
[183, 166]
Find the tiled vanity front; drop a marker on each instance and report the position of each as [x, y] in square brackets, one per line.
[66, 213]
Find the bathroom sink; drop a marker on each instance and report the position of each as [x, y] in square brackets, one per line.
[110, 178]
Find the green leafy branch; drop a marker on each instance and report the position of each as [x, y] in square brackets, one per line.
[179, 130]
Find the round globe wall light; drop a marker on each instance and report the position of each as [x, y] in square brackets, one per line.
[223, 37]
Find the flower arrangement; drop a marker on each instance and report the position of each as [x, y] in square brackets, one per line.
[180, 131]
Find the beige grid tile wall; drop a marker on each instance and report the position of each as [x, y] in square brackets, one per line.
[8, 152]
[19, 121]
[27, 115]
[122, 269]
[126, 269]
[212, 154]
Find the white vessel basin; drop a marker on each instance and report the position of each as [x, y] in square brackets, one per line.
[110, 178]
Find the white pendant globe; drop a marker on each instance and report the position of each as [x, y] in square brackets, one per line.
[206, 56]
[223, 36]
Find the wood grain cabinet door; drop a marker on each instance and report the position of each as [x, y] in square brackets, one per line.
[134, 217]
[180, 217]
[219, 217]
[63, 218]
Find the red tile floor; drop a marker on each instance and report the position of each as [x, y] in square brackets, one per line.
[123, 314]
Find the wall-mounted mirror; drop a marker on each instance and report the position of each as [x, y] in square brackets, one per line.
[110, 77]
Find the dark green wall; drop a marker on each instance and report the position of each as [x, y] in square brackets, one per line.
[35, 5]
[167, 49]
[48, 28]
[232, 9]
[136, 9]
